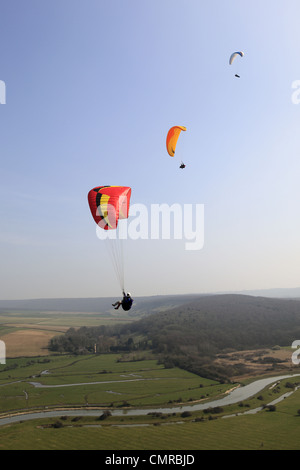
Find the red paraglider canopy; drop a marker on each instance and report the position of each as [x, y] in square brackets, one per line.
[108, 204]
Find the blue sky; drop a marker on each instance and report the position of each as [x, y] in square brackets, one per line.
[92, 88]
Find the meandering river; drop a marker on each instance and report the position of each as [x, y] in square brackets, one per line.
[235, 396]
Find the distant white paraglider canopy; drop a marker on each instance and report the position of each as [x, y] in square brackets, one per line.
[234, 55]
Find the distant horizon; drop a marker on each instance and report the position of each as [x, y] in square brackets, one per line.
[251, 292]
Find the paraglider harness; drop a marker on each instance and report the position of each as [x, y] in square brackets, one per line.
[182, 165]
[126, 301]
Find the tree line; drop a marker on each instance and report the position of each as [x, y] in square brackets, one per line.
[190, 336]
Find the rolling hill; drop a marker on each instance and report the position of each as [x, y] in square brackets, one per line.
[191, 335]
[142, 304]
[99, 305]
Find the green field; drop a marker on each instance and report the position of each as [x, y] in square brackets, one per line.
[28, 333]
[264, 431]
[60, 319]
[119, 382]
[157, 386]
[137, 382]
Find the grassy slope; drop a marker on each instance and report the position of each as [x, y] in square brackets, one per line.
[266, 430]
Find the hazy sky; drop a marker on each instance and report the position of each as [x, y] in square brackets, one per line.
[91, 89]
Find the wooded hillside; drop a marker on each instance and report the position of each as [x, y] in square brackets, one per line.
[191, 335]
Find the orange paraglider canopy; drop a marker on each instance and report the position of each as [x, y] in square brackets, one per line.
[172, 138]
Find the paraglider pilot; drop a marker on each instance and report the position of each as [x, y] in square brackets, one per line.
[182, 165]
[126, 302]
